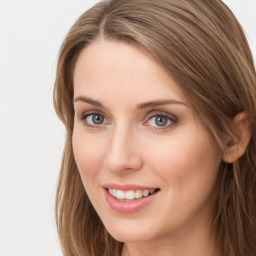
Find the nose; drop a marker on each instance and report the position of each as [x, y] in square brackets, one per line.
[123, 154]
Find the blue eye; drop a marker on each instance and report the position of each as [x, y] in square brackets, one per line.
[160, 121]
[94, 119]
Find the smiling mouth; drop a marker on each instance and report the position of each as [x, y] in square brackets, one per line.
[131, 194]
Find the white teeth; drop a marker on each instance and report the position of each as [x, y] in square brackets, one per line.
[120, 194]
[145, 192]
[138, 194]
[131, 194]
[151, 191]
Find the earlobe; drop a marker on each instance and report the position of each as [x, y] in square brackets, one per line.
[237, 145]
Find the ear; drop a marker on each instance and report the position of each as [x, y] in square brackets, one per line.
[237, 145]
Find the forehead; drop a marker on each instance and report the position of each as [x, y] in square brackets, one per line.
[105, 67]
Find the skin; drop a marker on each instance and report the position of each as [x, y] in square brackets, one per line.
[180, 158]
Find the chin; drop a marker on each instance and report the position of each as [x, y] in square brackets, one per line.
[128, 237]
[131, 232]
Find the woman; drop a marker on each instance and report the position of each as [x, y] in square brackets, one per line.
[159, 100]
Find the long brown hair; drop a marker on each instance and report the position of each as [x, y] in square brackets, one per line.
[202, 46]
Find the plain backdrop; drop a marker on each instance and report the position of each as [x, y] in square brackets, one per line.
[31, 136]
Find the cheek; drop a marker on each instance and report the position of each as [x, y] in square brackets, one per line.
[186, 160]
[87, 153]
[188, 169]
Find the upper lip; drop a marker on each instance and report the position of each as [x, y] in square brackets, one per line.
[127, 187]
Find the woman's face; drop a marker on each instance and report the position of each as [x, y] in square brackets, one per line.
[147, 161]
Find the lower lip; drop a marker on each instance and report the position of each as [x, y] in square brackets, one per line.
[128, 206]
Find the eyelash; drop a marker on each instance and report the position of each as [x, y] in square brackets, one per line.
[172, 120]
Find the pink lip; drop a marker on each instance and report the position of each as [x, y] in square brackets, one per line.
[128, 206]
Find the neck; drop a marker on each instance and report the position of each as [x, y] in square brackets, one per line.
[190, 242]
[171, 249]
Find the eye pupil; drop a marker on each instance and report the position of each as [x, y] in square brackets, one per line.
[161, 120]
[97, 119]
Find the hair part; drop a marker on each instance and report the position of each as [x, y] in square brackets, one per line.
[202, 46]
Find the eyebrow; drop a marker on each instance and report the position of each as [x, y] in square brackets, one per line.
[88, 100]
[157, 103]
[139, 106]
